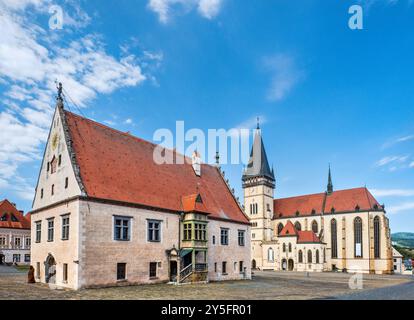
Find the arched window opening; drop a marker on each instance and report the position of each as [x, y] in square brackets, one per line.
[309, 256]
[315, 226]
[334, 239]
[270, 255]
[377, 238]
[284, 247]
[290, 247]
[317, 256]
[298, 226]
[300, 256]
[279, 228]
[358, 237]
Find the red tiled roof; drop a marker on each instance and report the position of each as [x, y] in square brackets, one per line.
[6, 208]
[288, 230]
[117, 166]
[190, 204]
[341, 201]
[302, 204]
[348, 200]
[308, 237]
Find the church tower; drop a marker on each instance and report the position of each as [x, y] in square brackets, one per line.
[259, 185]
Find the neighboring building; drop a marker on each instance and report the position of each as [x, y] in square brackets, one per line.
[105, 213]
[343, 230]
[397, 261]
[14, 235]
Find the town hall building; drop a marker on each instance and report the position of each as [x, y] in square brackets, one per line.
[344, 230]
[106, 214]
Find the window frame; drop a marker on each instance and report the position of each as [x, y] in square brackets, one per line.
[358, 237]
[38, 231]
[377, 237]
[224, 236]
[153, 276]
[241, 238]
[122, 228]
[65, 227]
[50, 229]
[334, 239]
[152, 231]
[121, 271]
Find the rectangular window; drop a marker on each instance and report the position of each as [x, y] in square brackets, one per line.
[154, 231]
[241, 238]
[38, 231]
[224, 237]
[200, 232]
[27, 258]
[215, 267]
[65, 272]
[38, 270]
[17, 242]
[187, 232]
[121, 271]
[28, 242]
[50, 229]
[153, 270]
[16, 258]
[65, 227]
[121, 228]
[214, 240]
[53, 190]
[2, 242]
[235, 267]
[224, 267]
[241, 269]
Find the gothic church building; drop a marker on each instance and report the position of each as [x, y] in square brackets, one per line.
[344, 230]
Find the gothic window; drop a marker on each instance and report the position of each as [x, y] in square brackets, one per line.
[279, 228]
[377, 231]
[284, 247]
[298, 226]
[309, 256]
[317, 256]
[251, 208]
[290, 247]
[300, 256]
[256, 210]
[358, 237]
[270, 255]
[334, 239]
[315, 226]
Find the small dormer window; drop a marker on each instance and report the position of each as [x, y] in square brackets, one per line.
[199, 199]
[333, 210]
[375, 207]
[13, 218]
[297, 213]
[357, 208]
[313, 212]
[4, 217]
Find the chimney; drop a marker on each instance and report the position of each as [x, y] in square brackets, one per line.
[196, 162]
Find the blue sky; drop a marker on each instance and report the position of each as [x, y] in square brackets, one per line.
[324, 93]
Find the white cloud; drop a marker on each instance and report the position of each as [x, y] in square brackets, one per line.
[393, 192]
[129, 121]
[407, 206]
[165, 8]
[391, 159]
[31, 58]
[395, 141]
[285, 75]
[209, 8]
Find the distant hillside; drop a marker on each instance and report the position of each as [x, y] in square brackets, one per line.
[403, 239]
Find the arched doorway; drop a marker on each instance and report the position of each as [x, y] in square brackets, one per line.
[50, 269]
[254, 264]
[284, 265]
[291, 265]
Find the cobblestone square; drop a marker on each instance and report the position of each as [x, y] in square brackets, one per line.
[264, 286]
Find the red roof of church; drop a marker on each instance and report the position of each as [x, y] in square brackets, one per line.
[6, 211]
[341, 201]
[288, 230]
[308, 237]
[120, 167]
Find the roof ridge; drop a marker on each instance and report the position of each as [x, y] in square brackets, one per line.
[319, 193]
[133, 137]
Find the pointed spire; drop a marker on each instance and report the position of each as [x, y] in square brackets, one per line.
[258, 165]
[59, 97]
[329, 189]
[258, 123]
